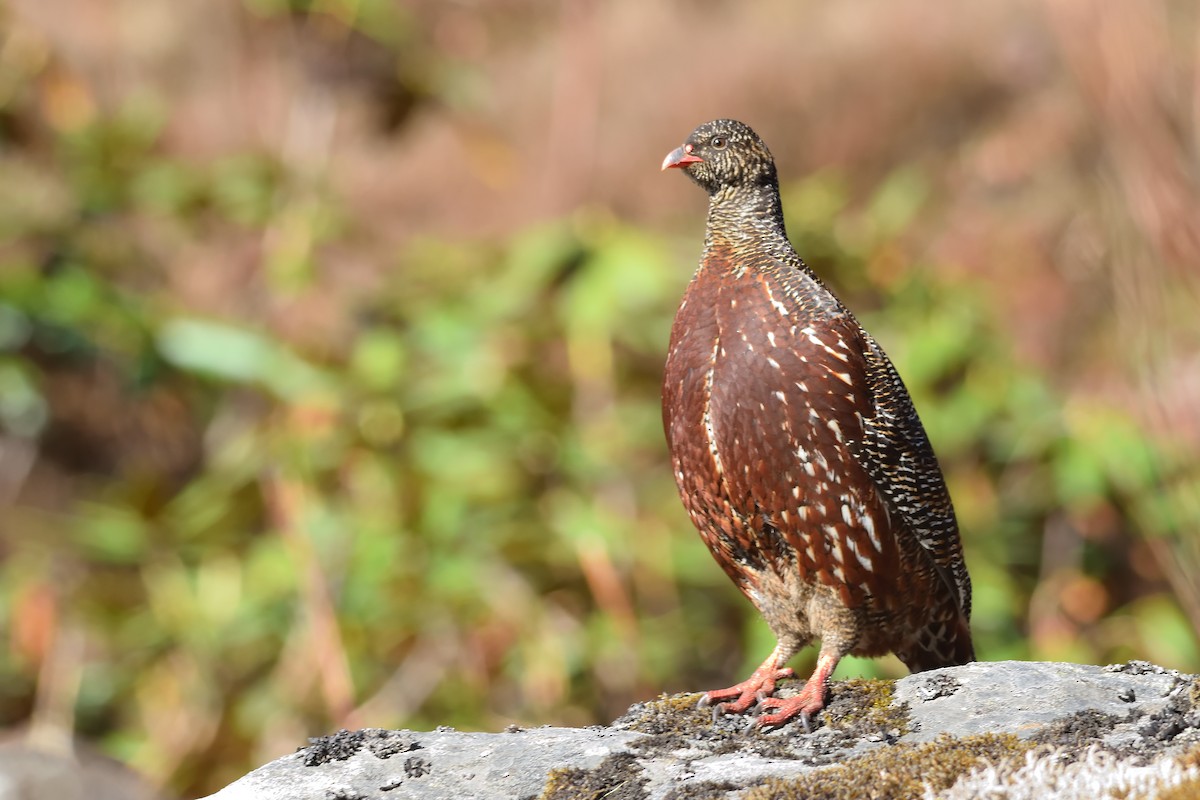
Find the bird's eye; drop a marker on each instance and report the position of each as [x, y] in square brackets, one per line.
[719, 142]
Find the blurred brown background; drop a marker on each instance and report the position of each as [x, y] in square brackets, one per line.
[330, 334]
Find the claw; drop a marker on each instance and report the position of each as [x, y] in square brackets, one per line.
[753, 696]
[789, 711]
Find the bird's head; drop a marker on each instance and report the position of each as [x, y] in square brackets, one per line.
[724, 155]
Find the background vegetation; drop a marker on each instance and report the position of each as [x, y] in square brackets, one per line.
[331, 334]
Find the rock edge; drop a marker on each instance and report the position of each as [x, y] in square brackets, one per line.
[667, 749]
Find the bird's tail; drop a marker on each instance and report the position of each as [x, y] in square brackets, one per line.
[940, 645]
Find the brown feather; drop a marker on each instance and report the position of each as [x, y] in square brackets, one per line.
[796, 448]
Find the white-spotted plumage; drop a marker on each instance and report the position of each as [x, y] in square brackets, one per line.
[797, 451]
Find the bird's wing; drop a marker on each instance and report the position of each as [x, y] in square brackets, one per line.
[896, 453]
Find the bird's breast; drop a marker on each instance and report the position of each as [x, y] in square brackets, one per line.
[762, 400]
[756, 375]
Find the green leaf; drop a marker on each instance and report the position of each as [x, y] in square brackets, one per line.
[239, 356]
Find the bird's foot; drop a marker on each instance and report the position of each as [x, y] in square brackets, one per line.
[749, 693]
[781, 710]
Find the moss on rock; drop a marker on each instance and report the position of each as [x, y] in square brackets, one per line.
[897, 773]
[866, 708]
[617, 777]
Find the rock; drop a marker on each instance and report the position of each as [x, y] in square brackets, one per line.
[1024, 697]
[437, 765]
[30, 770]
[904, 738]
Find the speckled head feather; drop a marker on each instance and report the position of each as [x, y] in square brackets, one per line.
[724, 155]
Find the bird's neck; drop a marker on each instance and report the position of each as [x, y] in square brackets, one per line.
[746, 217]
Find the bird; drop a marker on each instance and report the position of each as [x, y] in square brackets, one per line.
[797, 450]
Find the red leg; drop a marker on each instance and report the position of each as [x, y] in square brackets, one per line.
[759, 685]
[810, 700]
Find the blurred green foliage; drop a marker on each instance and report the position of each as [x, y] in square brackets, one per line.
[463, 514]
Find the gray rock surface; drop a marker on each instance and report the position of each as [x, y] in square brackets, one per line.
[30, 770]
[436, 765]
[667, 747]
[1023, 697]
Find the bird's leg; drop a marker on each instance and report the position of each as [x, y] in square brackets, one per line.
[754, 689]
[810, 700]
